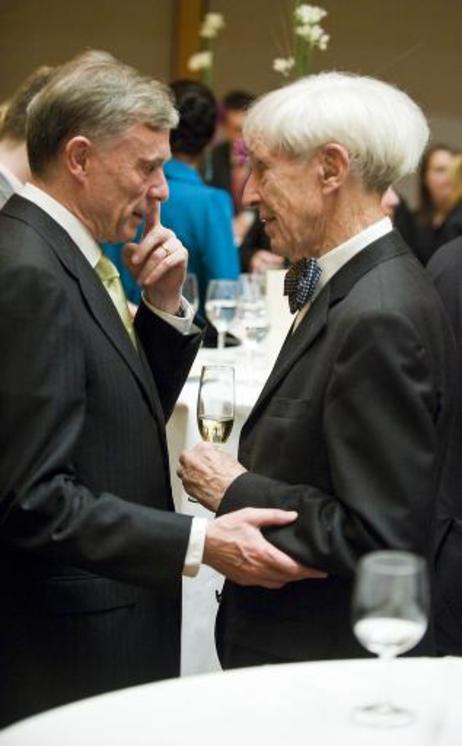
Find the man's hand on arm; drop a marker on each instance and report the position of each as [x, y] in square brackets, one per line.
[207, 472]
[235, 547]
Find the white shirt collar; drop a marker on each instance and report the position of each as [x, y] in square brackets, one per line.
[334, 260]
[77, 231]
[13, 180]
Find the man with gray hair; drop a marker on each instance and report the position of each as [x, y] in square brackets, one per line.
[350, 428]
[91, 552]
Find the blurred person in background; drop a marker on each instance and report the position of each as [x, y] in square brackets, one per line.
[435, 200]
[228, 168]
[199, 214]
[445, 267]
[14, 163]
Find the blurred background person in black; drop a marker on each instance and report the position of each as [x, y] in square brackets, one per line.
[436, 200]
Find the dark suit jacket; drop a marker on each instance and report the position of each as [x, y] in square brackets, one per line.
[446, 269]
[91, 552]
[349, 431]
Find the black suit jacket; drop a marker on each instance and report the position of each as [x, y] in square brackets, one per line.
[446, 269]
[349, 431]
[91, 552]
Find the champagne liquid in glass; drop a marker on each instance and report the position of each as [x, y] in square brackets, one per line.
[215, 429]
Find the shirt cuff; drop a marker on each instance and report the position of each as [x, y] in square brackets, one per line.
[182, 324]
[195, 550]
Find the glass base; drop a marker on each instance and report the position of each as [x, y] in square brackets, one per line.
[383, 715]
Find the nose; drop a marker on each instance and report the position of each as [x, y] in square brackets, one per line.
[250, 195]
[159, 188]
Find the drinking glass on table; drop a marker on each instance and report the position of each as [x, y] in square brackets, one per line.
[390, 614]
[252, 316]
[220, 306]
[191, 291]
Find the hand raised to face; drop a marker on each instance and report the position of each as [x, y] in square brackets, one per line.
[158, 262]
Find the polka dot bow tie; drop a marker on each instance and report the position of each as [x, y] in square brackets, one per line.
[300, 282]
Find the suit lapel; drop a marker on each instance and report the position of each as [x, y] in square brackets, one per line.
[95, 295]
[314, 322]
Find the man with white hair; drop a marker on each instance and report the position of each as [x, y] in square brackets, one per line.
[350, 427]
[91, 550]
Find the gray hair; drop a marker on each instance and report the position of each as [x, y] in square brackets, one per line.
[97, 96]
[383, 130]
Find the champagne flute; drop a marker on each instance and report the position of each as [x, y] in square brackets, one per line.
[390, 612]
[215, 403]
[191, 291]
[220, 306]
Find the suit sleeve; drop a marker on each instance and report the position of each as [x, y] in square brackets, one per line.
[380, 433]
[44, 508]
[170, 354]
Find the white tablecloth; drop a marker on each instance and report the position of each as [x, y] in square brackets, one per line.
[287, 705]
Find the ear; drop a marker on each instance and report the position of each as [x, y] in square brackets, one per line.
[77, 156]
[335, 166]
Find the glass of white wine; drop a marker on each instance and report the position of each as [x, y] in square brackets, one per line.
[220, 306]
[215, 403]
[390, 613]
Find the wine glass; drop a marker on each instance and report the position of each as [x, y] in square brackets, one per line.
[390, 612]
[215, 403]
[252, 316]
[220, 306]
[191, 291]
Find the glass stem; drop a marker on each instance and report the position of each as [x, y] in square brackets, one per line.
[383, 701]
[221, 340]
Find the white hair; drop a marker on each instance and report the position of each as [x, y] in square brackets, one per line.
[383, 130]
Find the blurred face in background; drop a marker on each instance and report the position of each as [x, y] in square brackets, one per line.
[438, 177]
[233, 123]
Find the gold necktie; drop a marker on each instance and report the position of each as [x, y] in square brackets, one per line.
[110, 278]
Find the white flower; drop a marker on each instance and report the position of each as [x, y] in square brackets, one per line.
[283, 65]
[200, 61]
[211, 25]
[309, 14]
[323, 42]
[313, 35]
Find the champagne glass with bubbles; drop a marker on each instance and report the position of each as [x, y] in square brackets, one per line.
[390, 613]
[215, 403]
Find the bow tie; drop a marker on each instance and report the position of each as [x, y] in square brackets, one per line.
[300, 282]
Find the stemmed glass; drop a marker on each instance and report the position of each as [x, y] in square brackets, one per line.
[191, 291]
[215, 403]
[220, 306]
[251, 315]
[390, 612]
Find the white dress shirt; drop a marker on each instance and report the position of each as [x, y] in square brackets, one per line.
[334, 260]
[92, 252]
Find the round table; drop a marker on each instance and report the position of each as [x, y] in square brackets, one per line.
[286, 705]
